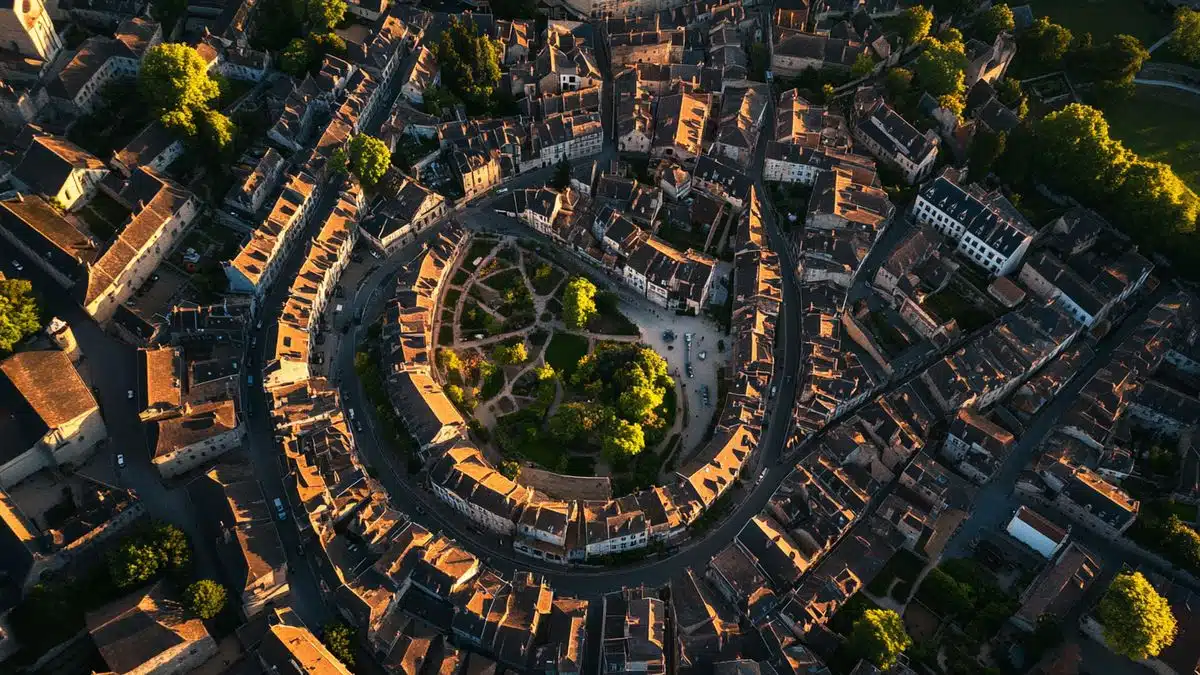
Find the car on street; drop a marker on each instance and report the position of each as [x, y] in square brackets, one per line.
[690, 372]
[120, 461]
[702, 354]
[129, 394]
[18, 265]
[279, 510]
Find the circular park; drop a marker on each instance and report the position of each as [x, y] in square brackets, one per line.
[570, 385]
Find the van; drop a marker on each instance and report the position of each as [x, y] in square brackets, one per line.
[250, 380]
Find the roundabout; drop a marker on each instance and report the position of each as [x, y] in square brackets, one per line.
[476, 466]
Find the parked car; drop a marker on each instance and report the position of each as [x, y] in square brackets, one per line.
[129, 394]
[279, 510]
[120, 461]
[702, 355]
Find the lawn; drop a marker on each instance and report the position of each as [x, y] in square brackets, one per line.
[480, 248]
[1105, 18]
[948, 304]
[564, 352]
[451, 298]
[1159, 125]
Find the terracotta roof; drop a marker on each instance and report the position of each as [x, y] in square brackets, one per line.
[49, 382]
[135, 629]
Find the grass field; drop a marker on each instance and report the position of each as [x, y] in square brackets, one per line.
[1105, 18]
[564, 352]
[1160, 125]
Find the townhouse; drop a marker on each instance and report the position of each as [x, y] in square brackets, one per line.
[1088, 288]
[990, 231]
[62, 172]
[407, 209]
[100, 60]
[160, 212]
[302, 314]
[890, 138]
[258, 262]
[53, 420]
[422, 74]
[149, 630]
[740, 121]
[680, 127]
[241, 527]
[464, 479]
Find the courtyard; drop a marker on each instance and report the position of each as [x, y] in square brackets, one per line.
[500, 325]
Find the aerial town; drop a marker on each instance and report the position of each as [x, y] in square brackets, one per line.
[365, 336]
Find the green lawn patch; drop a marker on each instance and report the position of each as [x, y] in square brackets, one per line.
[479, 249]
[446, 336]
[1105, 18]
[509, 254]
[509, 279]
[545, 278]
[1159, 125]
[1185, 512]
[492, 384]
[475, 320]
[460, 277]
[564, 352]
[451, 298]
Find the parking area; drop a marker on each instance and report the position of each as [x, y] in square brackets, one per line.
[703, 353]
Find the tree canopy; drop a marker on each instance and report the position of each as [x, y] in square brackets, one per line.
[914, 23]
[579, 303]
[1044, 43]
[205, 597]
[879, 637]
[993, 21]
[368, 158]
[174, 77]
[1185, 37]
[470, 63]
[18, 312]
[338, 639]
[623, 439]
[1117, 60]
[511, 355]
[1137, 621]
[941, 71]
[562, 175]
[863, 65]
[324, 15]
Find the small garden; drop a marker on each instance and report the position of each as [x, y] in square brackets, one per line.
[544, 366]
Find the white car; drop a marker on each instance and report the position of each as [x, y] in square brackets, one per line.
[129, 394]
[702, 355]
[18, 265]
[120, 461]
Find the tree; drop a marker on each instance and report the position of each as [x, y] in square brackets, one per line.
[133, 563]
[622, 439]
[945, 594]
[339, 161]
[449, 361]
[369, 158]
[898, 81]
[455, 394]
[1161, 199]
[469, 62]
[205, 597]
[296, 58]
[324, 15]
[511, 355]
[1075, 149]
[993, 21]
[545, 372]
[510, 469]
[1117, 60]
[1137, 621]
[579, 303]
[913, 24]
[18, 312]
[639, 402]
[879, 637]
[863, 65]
[328, 43]
[827, 92]
[578, 419]
[1044, 43]
[338, 639]
[986, 148]
[175, 77]
[174, 549]
[436, 99]
[950, 34]
[562, 175]
[1009, 92]
[1185, 38]
[216, 130]
[940, 68]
